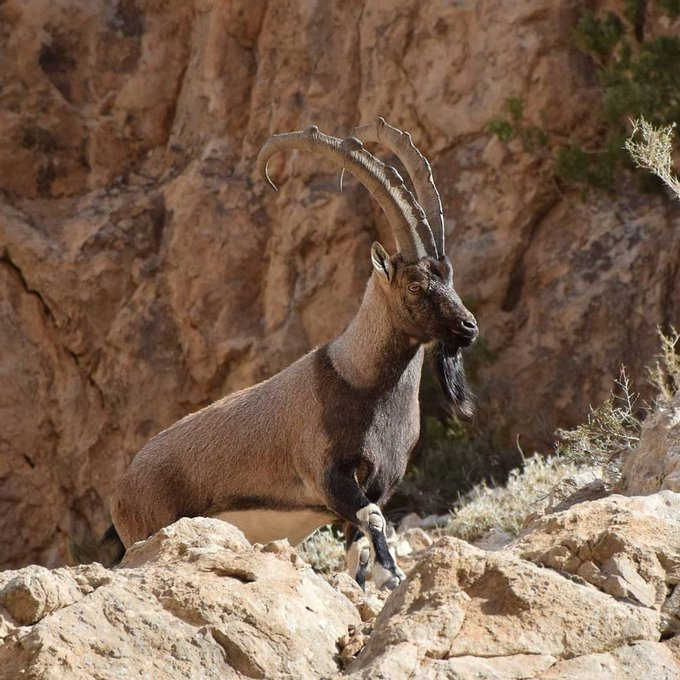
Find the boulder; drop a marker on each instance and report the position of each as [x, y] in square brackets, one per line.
[194, 600]
[464, 608]
[628, 547]
[655, 463]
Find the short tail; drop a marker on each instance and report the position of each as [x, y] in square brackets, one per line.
[113, 546]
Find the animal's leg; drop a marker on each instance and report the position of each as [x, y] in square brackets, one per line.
[346, 498]
[386, 573]
[358, 553]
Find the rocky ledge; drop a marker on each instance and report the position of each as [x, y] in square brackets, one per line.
[589, 592]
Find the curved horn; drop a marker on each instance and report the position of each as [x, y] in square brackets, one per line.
[418, 168]
[414, 238]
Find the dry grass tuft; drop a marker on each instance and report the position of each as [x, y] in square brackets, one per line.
[652, 148]
[506, 507]
[324, 550]
[611, 431]
[665, 374]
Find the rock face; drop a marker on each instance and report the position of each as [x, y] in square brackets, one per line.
[655, 464]
[145, 271]
[585, 593]
[589, 592]
[195, 600]
[626, 547]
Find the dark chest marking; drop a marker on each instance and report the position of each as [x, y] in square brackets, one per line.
[372, 429]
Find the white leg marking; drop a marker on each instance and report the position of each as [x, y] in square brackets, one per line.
[358, 553]
[371, 521]
[371, 516]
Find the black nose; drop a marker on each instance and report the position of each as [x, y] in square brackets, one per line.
[469, 326]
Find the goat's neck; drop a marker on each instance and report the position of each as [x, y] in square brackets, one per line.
[372, 351]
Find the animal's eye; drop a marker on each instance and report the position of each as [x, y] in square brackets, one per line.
[414, 287]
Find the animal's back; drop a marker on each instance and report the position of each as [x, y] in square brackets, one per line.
[259, 457]
[204, 463]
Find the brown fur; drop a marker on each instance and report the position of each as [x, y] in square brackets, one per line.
[350, 406]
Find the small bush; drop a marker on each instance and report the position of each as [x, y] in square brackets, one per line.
[665, 374]
[506, 507]
[651, 148]
[611, 431]
[324, 550]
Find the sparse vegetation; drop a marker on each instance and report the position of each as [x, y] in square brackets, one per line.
[611, 430]
[505, 507]
[324, 550]
[451, 456]
[638, 73]
[516, 127]
[665, 374]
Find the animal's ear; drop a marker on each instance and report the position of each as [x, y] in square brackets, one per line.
[381, 262]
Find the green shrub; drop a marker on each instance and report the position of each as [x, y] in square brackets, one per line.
[611, 431]
[638, 75]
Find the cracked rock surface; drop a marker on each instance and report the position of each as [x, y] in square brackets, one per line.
[146, 271]
[195, 600]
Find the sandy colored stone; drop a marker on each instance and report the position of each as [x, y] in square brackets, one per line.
[460, 601]
[195, 600]
[368, 602]
[628, 547]
[642, 659]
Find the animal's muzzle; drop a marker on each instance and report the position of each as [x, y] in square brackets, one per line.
[467, 331]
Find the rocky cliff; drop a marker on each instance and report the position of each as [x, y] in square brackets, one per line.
[590, 592]
[144, 270]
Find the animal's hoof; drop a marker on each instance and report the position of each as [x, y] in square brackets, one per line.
[391, 583]
[387, 578]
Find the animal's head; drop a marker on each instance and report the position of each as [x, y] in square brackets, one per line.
[417, 281]
[422, 299]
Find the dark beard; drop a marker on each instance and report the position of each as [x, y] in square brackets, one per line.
[448, 358]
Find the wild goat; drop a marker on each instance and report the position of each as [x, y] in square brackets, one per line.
[329, 437]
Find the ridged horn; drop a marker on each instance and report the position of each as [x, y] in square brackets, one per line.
[385, 184]
[418, 168]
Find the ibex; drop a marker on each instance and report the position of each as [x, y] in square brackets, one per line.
[328, 437]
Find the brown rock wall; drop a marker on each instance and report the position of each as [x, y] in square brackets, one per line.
[145, 270]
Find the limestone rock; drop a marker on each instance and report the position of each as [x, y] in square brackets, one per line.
[642, 659]
[460, 601]
[35, 592]
[195, 600]
[368, 602]
[628, 547]
[655, 463]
